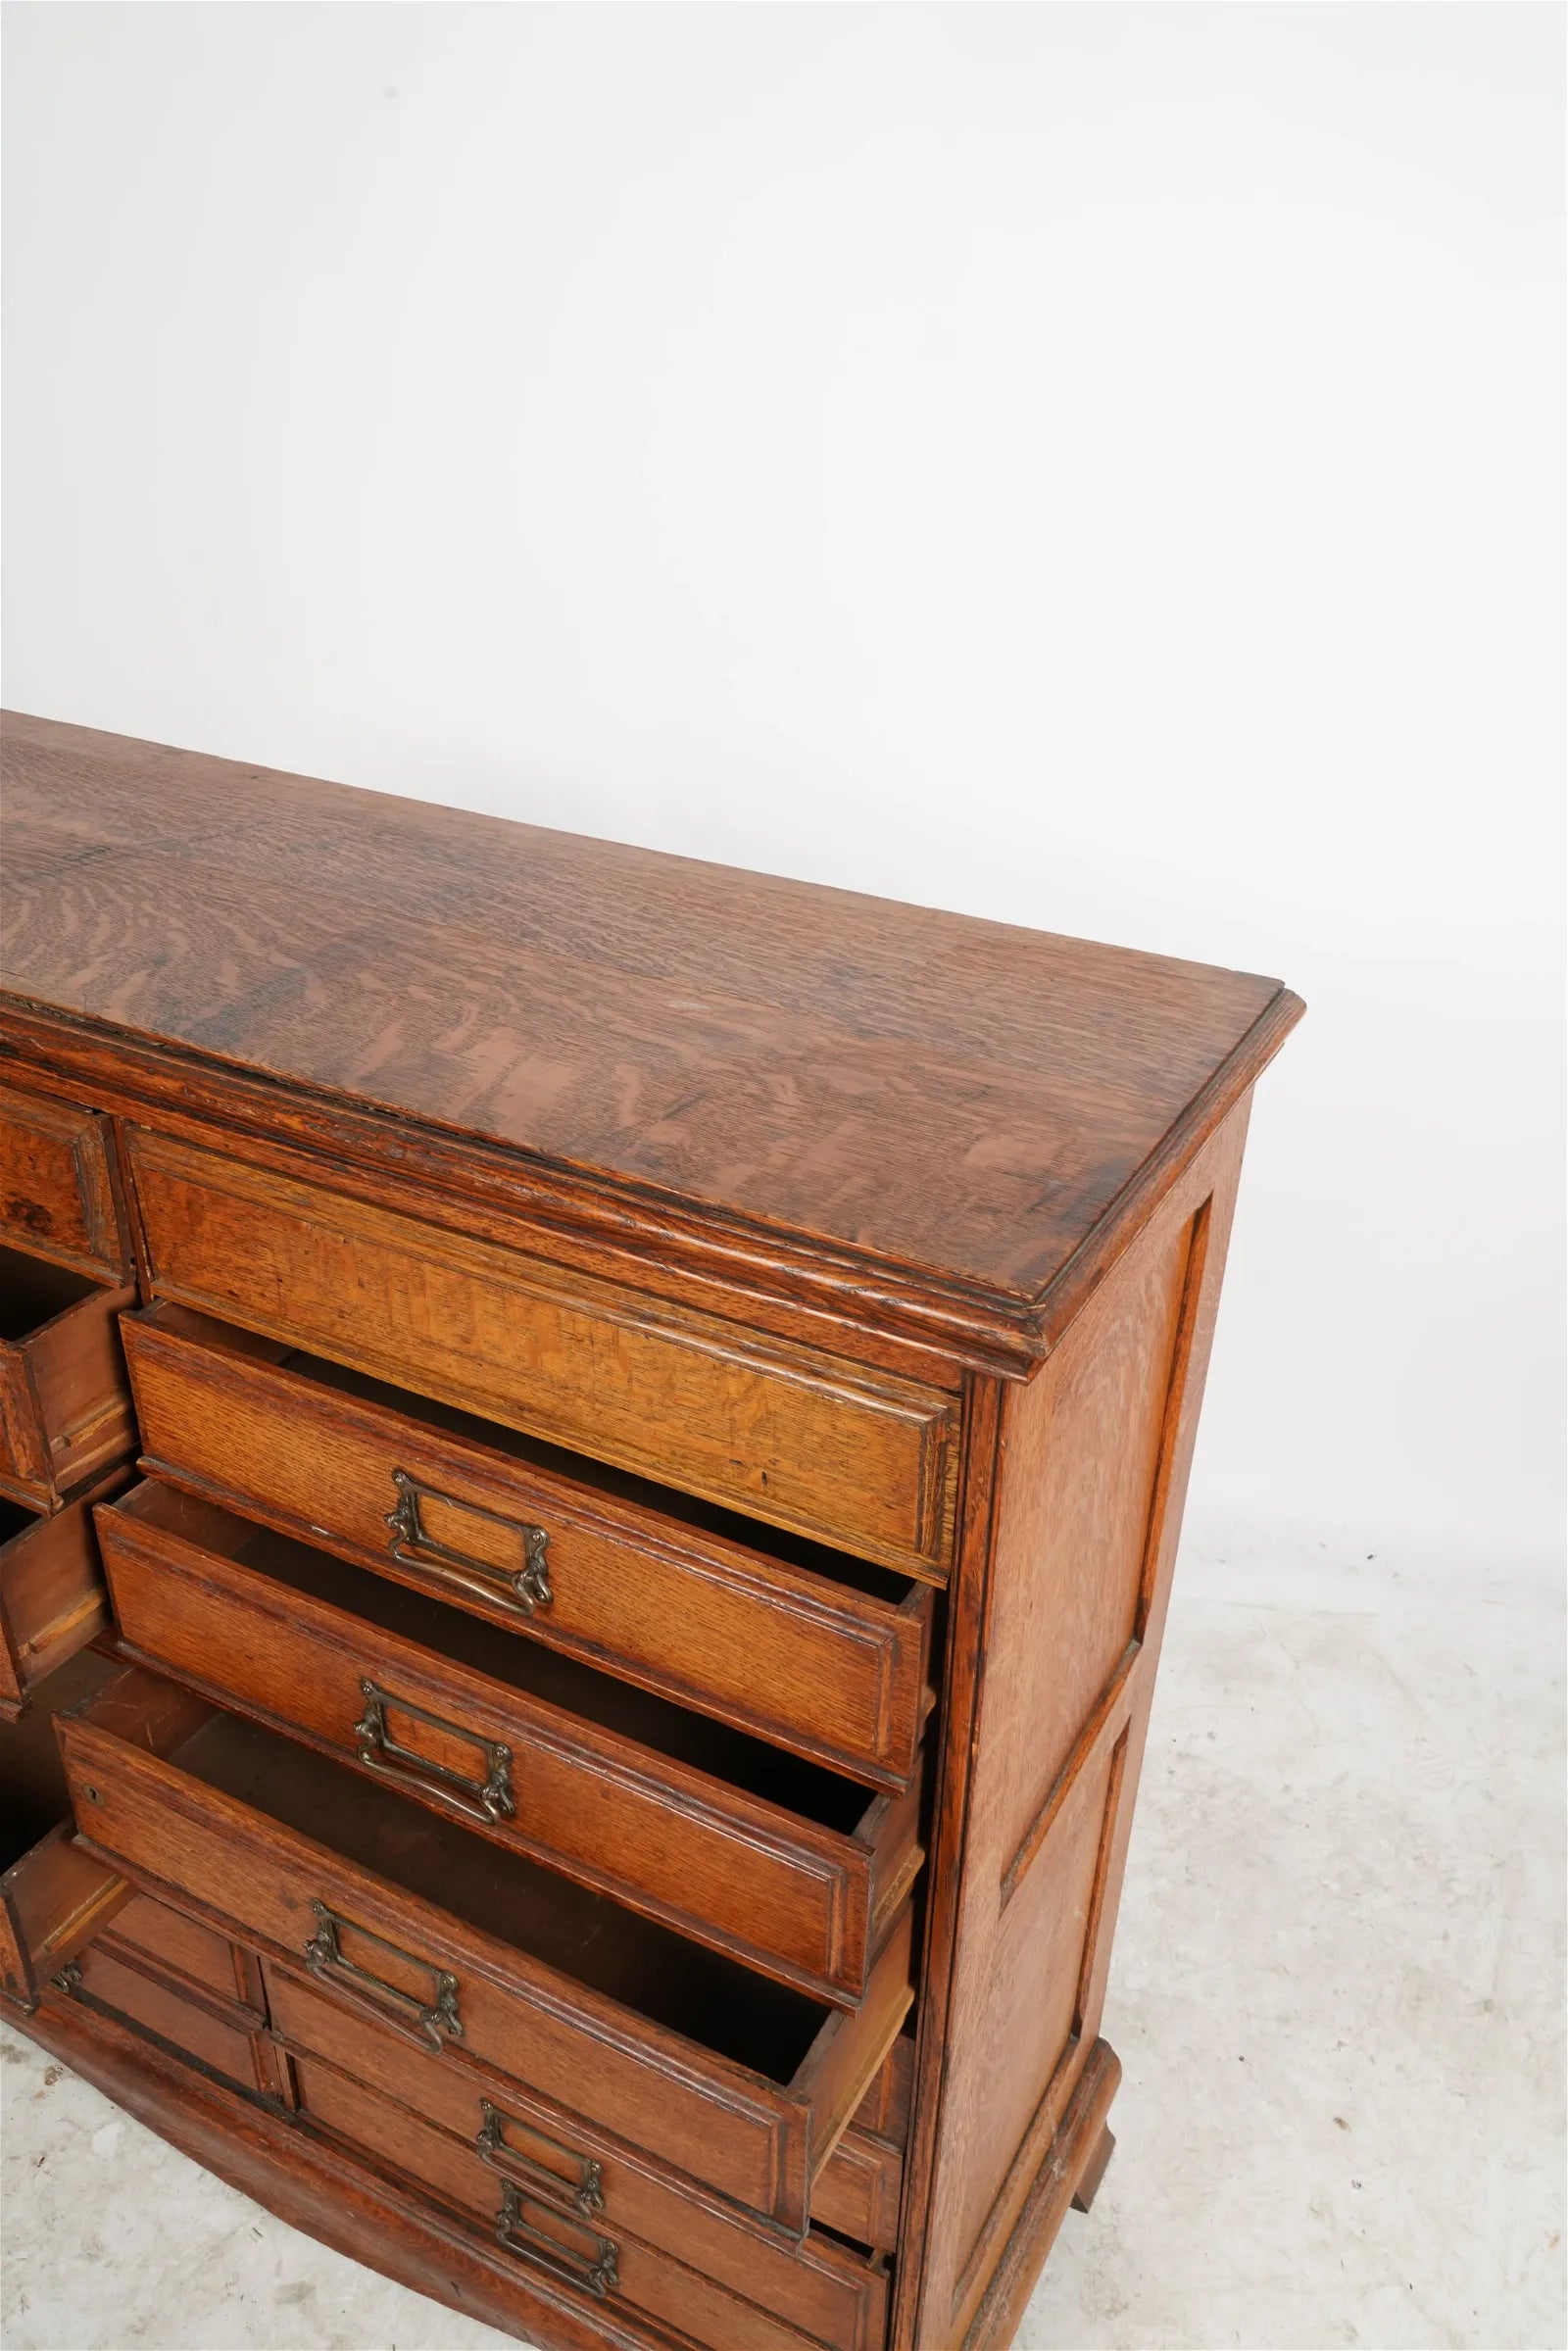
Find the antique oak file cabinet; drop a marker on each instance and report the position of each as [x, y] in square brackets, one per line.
[635, 1419]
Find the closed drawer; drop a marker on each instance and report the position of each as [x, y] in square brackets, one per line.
[166, 1941]
[52, 1597]
[761, 1854]
[791, 1435]
[789, 1640]
[716, 2072]
[57, 1194]
[65, 1409]
[821, 2289]
[601, 2260]
[225, 2040]
[858, 2189]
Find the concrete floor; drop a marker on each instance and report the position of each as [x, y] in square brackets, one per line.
[1337, 1999]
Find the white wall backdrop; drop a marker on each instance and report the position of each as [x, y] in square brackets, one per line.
[1095, 466]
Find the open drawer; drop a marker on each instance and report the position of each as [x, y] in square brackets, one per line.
[52, 1597]
[64, 1409]
[771, 1858]
[715, 2071]
[774, 1632]
[54, 1896]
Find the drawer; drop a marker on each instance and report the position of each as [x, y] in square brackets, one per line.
[858, 2189]
[771, 1858]
[65, 1409]
[600, 2258]
[792, 1435]
[226, 2040]
[716, 2072]
[794, 1643]
[52, 1597]
[886, 2106]
[53, 1895]
[167, 1943]
[59, 1198]
[827, 2292]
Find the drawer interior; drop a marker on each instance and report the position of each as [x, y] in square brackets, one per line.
[715, 2002]
[807, 1789]
[33, 1291]
[32, 1777]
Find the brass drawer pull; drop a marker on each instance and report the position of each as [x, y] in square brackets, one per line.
[436, 2019]
[597, 2269]
[583, 2185]
[413, 1546]
[486, 1799]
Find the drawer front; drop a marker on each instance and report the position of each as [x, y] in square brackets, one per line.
[797, 1439]
[58, 1196]
[438, 1981]
[52, 1597]
[801, 1901]
[815, 2286]
[223, 2045]
[787, 1654]
[859, 2188]
[150, 1932]
[542, 2231]
[64, 1407]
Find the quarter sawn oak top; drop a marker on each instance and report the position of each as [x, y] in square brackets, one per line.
[955, 1097]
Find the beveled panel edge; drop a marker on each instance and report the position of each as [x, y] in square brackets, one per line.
[692, 1253]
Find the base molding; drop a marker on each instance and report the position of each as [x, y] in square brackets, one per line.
[320, 2190]
[1073, 2166]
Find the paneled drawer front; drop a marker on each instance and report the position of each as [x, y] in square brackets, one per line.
[809, 1903]
[65, 1409]
[411, 1921]
[225, 2043]
[797, 1439]
[859, 2191]
[57, 1194]
[817, 2285]
[164, 1940]
[790, 1654]
[601, 2260]
[52, 1596]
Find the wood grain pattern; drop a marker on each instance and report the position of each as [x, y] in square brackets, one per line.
[52, 1596]
[796, 1439]
[58, 1193]
[803, 1648]
[326, 2191]
[1086, 1511]
[917, 1088]
[807, 1895]
[54, 1898]
[812, 2284]
[824, 1290]
[64, 1409]
[758, 2124]
[219, 2035]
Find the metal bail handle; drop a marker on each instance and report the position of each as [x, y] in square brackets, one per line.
[599, 2270]
[437, 2019]
[586, 2197]
[487, 1799]
[526, 1588]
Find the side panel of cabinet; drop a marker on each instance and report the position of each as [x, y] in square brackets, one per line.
[1057, 1635]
